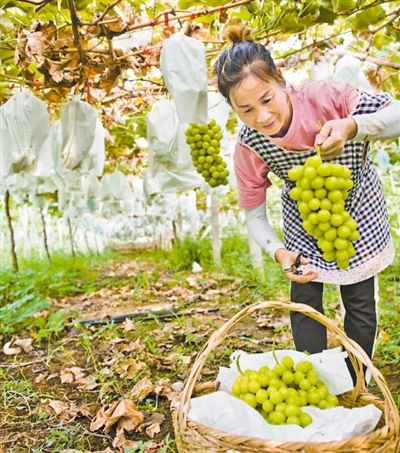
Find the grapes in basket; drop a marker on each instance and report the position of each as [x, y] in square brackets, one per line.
[320, 192]
[280, 392]
[204, 142]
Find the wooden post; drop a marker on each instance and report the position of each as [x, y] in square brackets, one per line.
[10, 227]
[216, 243]
[71, 237]
[256, 255]
[45, 242]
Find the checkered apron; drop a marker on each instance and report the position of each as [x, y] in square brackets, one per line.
[365, 201]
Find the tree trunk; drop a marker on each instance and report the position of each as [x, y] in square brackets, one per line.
[9, 222]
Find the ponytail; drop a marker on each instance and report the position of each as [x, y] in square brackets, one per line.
[242, 58]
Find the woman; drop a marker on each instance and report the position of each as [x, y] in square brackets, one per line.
[285, 125]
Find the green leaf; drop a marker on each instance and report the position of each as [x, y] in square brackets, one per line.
[186, 4]
[364, 19]
[343, 5]
[290, 23]
[243, 14]
[326, 16]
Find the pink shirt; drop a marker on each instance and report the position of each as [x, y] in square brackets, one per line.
[337, 100]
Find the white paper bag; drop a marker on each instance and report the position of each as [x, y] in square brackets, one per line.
[183, 66]
[24, 128]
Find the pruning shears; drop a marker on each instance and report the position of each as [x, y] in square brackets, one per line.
[295, 267]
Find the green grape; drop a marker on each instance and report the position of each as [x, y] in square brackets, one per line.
[325, 245]
[343, 264]
[340, 243]
[250, 399]
[314, 203]
[305, 366]
[336, 220]
[337, 170]
[329, 257]
[332, 399]
[313, 161]
[293, 420]
[313, 218]
[204, 143]
[305, 384]
[281, 407]
[320, 193]
[295, 193]
[309, 173]
[287, 362]
[295, 173]
[326, 204]
[277, 417]
[324, 169]
[318, 183]
[330, 235]
[331, 183]
[261, 396]
[335, 195]
[254, 386]
[279, 369]
[312, 376]
[305, 419]
[278, 394]
[323, 215]
[287, 377]
[267, 406]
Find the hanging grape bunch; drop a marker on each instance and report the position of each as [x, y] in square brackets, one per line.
[280, 392]
[320, 192]
[204, 142]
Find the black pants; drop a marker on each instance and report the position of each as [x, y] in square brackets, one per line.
[360, 321]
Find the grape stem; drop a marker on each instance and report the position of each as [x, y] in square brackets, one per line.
[238, 365]
[273, 350]
[319, 146]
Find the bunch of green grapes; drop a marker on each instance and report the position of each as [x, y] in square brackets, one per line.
[320, 192]
[204, 142]
[279, 393]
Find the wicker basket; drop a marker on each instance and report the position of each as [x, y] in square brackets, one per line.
[193, 437]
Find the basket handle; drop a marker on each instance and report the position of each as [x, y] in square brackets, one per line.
[356, 354]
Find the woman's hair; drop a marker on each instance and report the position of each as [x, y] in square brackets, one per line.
[242, 58]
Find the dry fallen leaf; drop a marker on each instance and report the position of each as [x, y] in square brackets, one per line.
[69, 375]
[58, 407]
[143, 388]
[136, 345]
[128, 325]
[8, 349]
[25, 344]
[126, 416]
[65, 411]
[130, 368]
[152, 424]
[123, 413]
[153, 429]
[120, 441]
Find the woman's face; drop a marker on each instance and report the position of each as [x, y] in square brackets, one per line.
[263, 106]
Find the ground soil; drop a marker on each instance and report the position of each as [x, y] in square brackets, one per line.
[170, 318]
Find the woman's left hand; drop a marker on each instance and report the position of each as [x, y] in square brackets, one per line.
[287, 260]
[333, 136]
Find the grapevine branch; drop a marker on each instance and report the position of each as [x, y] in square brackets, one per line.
[190, 15]
[75, 23]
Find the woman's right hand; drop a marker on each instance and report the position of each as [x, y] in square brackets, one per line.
[333, 136]
[287, 261]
